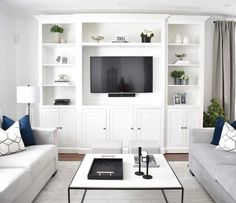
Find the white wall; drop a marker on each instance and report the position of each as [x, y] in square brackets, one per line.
[27, 60]
[7, 65]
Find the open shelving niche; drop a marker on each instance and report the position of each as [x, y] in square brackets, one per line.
[51, 69]
[193, 69]
[134, 47]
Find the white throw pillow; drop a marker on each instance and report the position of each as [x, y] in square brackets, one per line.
[10, 140]
[228, 138]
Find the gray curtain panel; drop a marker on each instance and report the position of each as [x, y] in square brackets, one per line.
[224, 66]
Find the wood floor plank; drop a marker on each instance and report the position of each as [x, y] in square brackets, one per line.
[79, 157]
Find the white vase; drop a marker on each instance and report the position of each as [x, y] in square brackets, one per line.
[178, 39]
[56, 37]
[185, 40]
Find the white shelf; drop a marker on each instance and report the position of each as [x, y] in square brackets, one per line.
[59, 85]
[128, 44]
[56, 64]
[184, 45]
[183, 85]
[181, 106]
[52, 45]
[59, 106]
[183, 65]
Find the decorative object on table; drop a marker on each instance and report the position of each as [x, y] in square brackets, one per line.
[185, 40]
[146, 36]
[177, 99]
[106, 169]
[184, 79]
[139, 172]
[64, 60]
[58, 59]
[178, 39]
[177, 74]
[214, 111]
[62, 102]
[28, 95]
[97, 38]
[147, 176]
[63, 78]
[153, 163]
[57, 31]
[183, 98]
[180, 59]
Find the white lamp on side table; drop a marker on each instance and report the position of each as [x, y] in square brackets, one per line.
[27, 95]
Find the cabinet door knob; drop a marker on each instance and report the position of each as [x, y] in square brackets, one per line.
[139, 128]
[131, 128]
[60, 127]
[185, 128]
[104, 128]
[182, 127]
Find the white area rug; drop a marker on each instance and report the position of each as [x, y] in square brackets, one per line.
[56, 189]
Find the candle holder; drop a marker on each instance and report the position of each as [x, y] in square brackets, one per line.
[147, 176]
[139, 172]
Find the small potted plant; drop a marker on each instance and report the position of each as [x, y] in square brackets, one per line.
[146, 36]
[177, 74]
[56, 30]
[184, 79]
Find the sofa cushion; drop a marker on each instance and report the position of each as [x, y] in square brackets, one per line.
[35, 158]
[210, 157]
[10, 140]
[25, 129]
[225, 176]
[14, 181]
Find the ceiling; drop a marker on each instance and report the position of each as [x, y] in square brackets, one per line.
[27, 8]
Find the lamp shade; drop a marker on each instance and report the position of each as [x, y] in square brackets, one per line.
[27, 94]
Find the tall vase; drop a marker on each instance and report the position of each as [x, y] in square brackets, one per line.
[146, 39]
[56, 37]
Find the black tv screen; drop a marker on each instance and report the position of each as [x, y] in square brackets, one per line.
[114, 74]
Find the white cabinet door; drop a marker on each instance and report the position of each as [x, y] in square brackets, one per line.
[149, 124]
[176, 129]
[122, 125]
[50, 118]
[68, 134]
[192, 121]
[94, 125]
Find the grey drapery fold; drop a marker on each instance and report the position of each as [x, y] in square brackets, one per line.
[224, 66]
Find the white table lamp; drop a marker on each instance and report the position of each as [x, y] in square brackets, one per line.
[27, 95]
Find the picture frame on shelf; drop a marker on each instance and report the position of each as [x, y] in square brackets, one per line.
[177, 99]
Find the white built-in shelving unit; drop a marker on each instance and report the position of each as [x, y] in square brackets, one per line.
[147, 116]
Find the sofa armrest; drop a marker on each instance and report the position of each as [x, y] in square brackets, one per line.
[201, 135]
[45, 135]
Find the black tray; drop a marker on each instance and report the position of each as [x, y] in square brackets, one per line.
[106, 169]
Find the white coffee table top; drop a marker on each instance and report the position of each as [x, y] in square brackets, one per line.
[163, 177]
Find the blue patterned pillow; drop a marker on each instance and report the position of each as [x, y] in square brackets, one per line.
[218, 129]
[25, 129]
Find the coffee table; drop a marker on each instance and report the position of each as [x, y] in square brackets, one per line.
[164, 177]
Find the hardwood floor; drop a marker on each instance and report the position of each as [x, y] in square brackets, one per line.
[79, 157]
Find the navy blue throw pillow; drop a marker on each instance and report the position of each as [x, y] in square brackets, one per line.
[25, 129]
[218, 129]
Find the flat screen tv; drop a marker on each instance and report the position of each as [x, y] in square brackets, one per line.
[115, 74]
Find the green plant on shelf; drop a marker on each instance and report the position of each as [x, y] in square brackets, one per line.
[57, 28]
[177, 74]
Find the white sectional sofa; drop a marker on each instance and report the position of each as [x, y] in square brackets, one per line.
[213, 168]
[23, 174]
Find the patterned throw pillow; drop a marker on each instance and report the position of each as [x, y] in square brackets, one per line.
[10, 140]
[228, 138]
